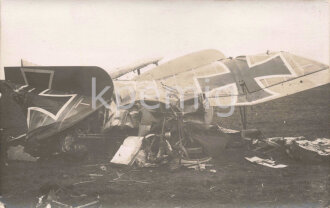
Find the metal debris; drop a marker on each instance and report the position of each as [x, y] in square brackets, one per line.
[18, 153]
[128, 151]
[265, 162]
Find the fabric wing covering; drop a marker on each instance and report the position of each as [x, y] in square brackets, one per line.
[244, 80]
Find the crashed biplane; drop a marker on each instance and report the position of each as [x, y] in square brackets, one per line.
[63, 104]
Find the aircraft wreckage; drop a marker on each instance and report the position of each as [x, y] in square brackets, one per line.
[168, 106]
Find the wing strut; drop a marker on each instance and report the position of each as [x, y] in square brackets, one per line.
[242, 109]
[247, 133]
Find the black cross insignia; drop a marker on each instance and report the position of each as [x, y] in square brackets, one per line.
[49, 103]
[244, 76]
[37, 96]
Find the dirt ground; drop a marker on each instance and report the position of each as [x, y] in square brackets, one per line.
[236, 182]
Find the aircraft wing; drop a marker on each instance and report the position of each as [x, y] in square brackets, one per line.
[181, 65]
[154, 85]
[260, 78]
[54, 98]
[244, 80]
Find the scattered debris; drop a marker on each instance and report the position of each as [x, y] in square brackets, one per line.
[89, 204]
[251, 134]
[95, 175]
[213, 170]
[128, 151]
[197, 164]
[200, 167]
[82, 182]
[148, 151]
[93, 165]
[20, 137]
[212, 187]
[282, 140]
[321, 146]
[60, 204]
[18, 153]
[141, 160]
[103, 167]
[59, 197]
[265, 162]
[317, 150]
[119, 175]
[227, 131]
[114, 181]
[196, 161]
[310, 151]
[69, 145]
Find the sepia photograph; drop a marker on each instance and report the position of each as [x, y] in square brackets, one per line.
[164, 104]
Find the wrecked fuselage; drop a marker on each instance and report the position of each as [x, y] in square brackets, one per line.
[62, 106]
[41, 137]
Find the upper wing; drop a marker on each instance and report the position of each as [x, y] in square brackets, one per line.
[244, 80]
[55, 98]
[154, 85]
[181, 65]
[255, 79]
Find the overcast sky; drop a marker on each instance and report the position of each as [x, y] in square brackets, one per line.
[111, 34]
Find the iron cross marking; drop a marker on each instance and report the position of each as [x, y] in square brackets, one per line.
[47, 102]
[37, 95]
[240, 72]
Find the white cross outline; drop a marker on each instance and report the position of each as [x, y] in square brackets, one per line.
[55, 117]
[43, 93]
[257, 79]
[21, 87]
[50, 72]
[235, 90]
